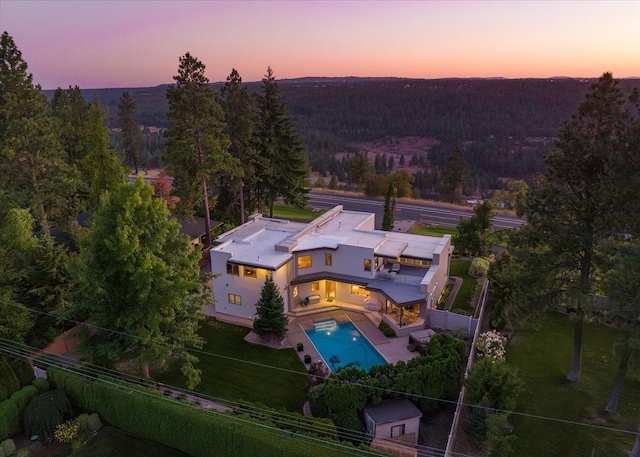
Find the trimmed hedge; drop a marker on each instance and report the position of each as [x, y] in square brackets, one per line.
[23, 370]
[148, 415]
[9, 419]
[41, 384]
[8, 378]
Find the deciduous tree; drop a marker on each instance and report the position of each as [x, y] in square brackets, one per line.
[139, 281]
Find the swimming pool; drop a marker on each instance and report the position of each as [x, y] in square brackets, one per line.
[342, 345]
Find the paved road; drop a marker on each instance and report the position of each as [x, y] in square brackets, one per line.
[418, 210]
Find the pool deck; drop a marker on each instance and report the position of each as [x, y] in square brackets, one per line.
[392, 349]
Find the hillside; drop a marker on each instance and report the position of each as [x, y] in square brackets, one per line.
[506, 125]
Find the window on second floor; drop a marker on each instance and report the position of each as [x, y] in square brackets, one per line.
[304, 261]
[328, 259]
[233, 269]
[250, 272]
[367, 264]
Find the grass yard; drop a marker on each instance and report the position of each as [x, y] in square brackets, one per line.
[230, 379]
[460, 268]
[542, 355]
[433, 230]
[282, 211]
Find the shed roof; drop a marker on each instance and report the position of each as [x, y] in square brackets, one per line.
[392, 411]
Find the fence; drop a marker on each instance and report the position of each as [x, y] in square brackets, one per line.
[446, 320]
[472, 355]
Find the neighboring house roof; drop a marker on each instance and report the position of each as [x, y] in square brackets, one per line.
[392, 411]
[195, 228]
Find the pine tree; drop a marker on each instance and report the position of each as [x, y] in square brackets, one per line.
[236, 192]
[128, 123]
[575, 207]
[33, 170]
[270, 317]
[283, 166]
[453, 178]
[333, 182]
[196, 145]
[389, 205]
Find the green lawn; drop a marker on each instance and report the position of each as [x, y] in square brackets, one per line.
[433, 230]
[237, 380]
[460, 268]
[282, 211]
[542, 355]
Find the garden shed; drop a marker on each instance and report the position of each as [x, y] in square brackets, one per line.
[396, 419]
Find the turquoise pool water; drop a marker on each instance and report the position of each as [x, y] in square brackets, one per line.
[342, 345]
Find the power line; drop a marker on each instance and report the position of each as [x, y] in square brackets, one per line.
[24, 351]
[384, 390]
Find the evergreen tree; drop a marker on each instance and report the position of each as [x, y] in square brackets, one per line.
[270, 317]
[235, 195]
[33, 170]
[196, 146]
[138, 278]
[128, 123]
[100, 167]
[359, 168]
[574, 207]
[283, 167]
[320, 182]
[389, 208]
[70, 110]
[401, 162]
[453, 178]
[333, 182]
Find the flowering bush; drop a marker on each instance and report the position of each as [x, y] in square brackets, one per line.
[67, 432]
[491, 346]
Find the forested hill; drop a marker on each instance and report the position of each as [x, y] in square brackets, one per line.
[490, 116]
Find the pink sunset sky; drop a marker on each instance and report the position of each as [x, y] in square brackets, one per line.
[97, 44]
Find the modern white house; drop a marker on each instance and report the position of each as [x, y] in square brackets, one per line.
[337, 260]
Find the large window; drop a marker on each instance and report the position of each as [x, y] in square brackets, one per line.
[250, 272]
[315, 286]
[233, 269]
[328, 259]
[359, 290]
[304, 261]
[235, 299]
[367, 264]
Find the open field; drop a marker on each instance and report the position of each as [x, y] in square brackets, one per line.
[227, 375]
[542, 355]
[460, 268]
[432, 230]
[281, 211]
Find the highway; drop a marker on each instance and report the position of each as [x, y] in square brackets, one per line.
[415, 210]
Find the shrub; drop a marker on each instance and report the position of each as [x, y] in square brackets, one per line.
[22, 397]
[8, 447]
[3, 393]
[491, 346]
[496, 380]
[41, 384]
[93, 422]
[45, 412]
[499, 437]
[318, 372]
[23, 370]
[479, 267]
[68, 432]
[8, 377]
[497, 318]
[386, 330]
[9, 419]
